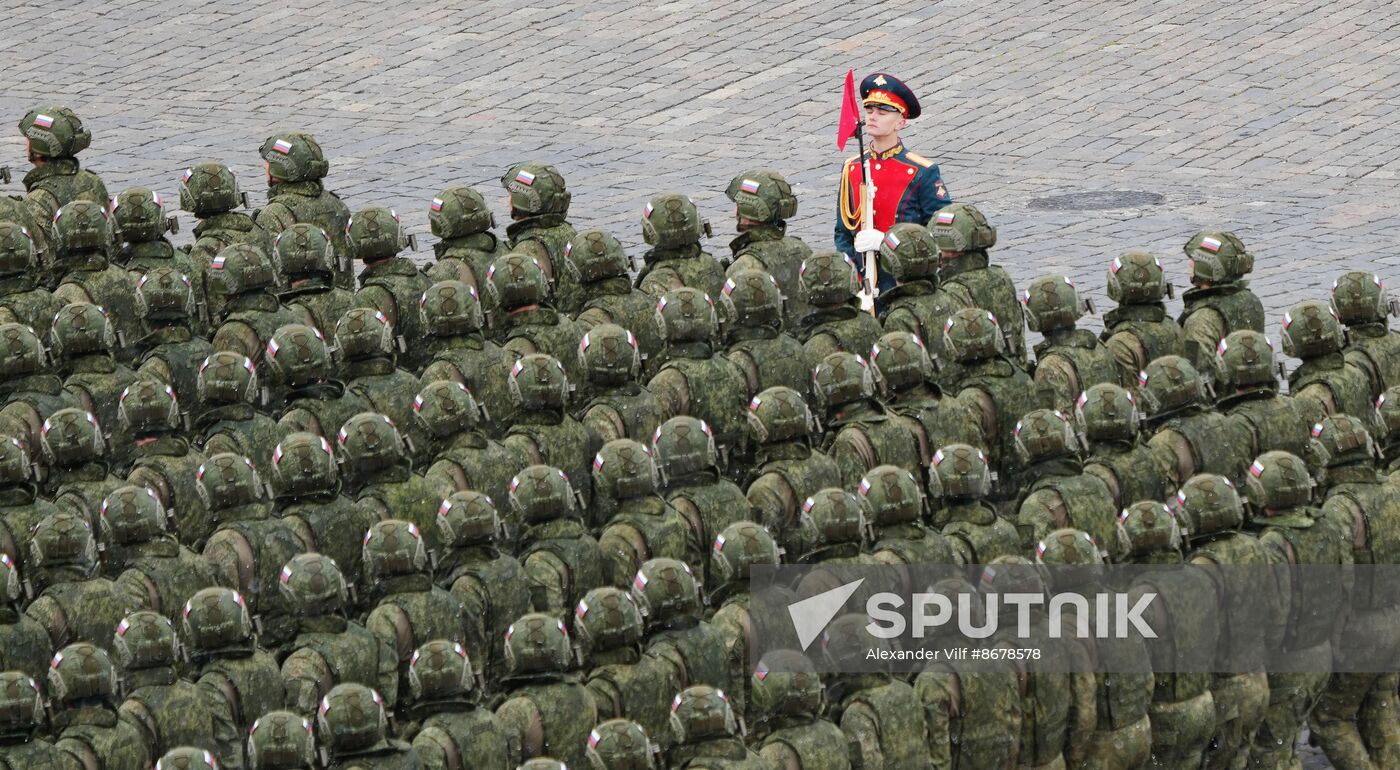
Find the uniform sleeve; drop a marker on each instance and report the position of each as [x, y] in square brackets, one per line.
[845, 236]
[377, 298]
[274, 218]
[1204, 329]
[240, 338]
[930, 196]
[72, 294]
[860, 726]
[936, 690]
[671, 391]
[548, 581]
[306, 679]
[523, 727]
[1055, 373]
[1037, 517]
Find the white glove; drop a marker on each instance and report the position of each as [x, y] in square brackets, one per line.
[868, 241]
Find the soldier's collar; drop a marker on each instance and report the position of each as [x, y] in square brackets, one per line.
[52, 167]
[887, 154]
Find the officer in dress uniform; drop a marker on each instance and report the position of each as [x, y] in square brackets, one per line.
[908, 186]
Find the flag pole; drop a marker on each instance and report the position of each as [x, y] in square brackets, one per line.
[867, 220]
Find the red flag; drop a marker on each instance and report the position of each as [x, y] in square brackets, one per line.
[850, 112]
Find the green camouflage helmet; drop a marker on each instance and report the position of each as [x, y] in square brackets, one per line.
[445, 409]
[1012, 574]
[962, 471]
[131, 515]
[1312, 329]
[1075, 553]
[468, 518]
[297, 355]
[281, 740]
[541, 493]
[15, 466]
[458, 212]
[54, 131]
[762, 195]
[227, 378]
[79, 329]
[1217, 257]
[1169, 385]
[1278, 480]
[785, 683]
[1208, 504]
[450, 308]
[217, 619]
[1052, 303]
[752, 299]
[370, 441]
[227, 480]
[542, 763]
[351, 718]
[538, 383]
[21, 352]
[71, 438]
[187, 758]
[536, 188]
[961, 227]
[593, 255]
[12, 588]
[972, 334]
[684, 445]
[82, 226]
[1136, 277]
[440, 669]
[138, 216]
[147, 407]
[1360, 298]
[375, 232]
[1245, 358]
[165, 294]
[623, 469]
[1045, 434]
[17, 256]
[364, 333]
[82, 671]
[1345, 440]
[740, 546]
[294, 157]
[607, 618]
[609, 356]
[1107, 412]
[303, 249]
[845, 641]
[620, 744]
[900, 361]
[63, 539]
[303, 464]
[687, 315]
[780, 414]
[837, 517]
[828, 278]
[892, 495]
[393, 548]
[701, 712]
[909, 252]
[666, 591]
[145, 639]
[842, 378]
[517, 280]
[21, 704]
[1151, 528]
[240, 269]
[313, 586]
[209, 188]
[536, 644]
[670, 221]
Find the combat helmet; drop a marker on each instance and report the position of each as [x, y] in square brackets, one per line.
[620, 744]
[538, 383]
[71, 438]
[17, 254]
[440, 669]
[1278, 481]
[1045, 434]
[1170, 385]
[281, 740]
[165, 295]
[836, 517]
[12, 586]
[82, 672]
[1245, 359]
[684, 445]
[687, 315]
[21, 704]
[79, 329]
[145, 639]
[459, 211]
[608, 355]
[701, 712]
[54, 131]
[842, 378]
[132, 514]
[1388, 407]
[298, 356]
[537, 644]
[370, 442]
[536, 188]
[1312, 329]
[541, 493]
[350, 719]
[1217, 257]
[313, 586]
[82, 226]
[962, 471]
[1137, 278]
[961, 227]
[899, 361]
[624, 469]
[227, 378]
[762, 195]
[594, 255]
[1107, 412]
[138, 216]
[226, 481]
[1052, 303]
[737, 549]
[780, 414]
[1151, 528]
[517, 280]
[65, 540]
[892, 495]
[1360, 298]
[785, 683]
[240, 269]
[21, 351]
[364, 333]
[671, 221]
[972, 334]
[209, 188]
[217, 619]
[393, 548]
[1207, 505]
[909, 252]
[1344, 440]
[294, 156]
[375, 233]
[302, 250]
[1074, 553]
[828, 278]
[451, 308]
[752, 299]
[469, 518]
[666, 592]
[607, 618]
[542, 763]
[446, 409]
[303, 464]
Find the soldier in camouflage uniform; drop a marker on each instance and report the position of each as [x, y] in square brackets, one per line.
[450, 728]
[1219, 300]
[390, 283]
[622, 680]
[24, 644]
[379, 474]
[229, 393]
[669, 596]
[539, 207]
[736, 550]
[187, 758]
[22, 299]
[1325, 380]
[139, 225]
[53, 137]
[164, 460]
[83, 344]
[1139, 330]
[72, 602]
[621, 744]
[840, 533]
[615, 405]
[306, 494]
[82, 243]
[787, 468]
[1355, 720]
[706, 733]
[28, 389]
[295, 193]
[546, 710]
[367, 350]
[77, 474]
[753, 333]
[562, 561]
[21, 507]
[1188, 435]
[210, 192]
[462, 221]
[170, 710]
[543, 429]
[281, 740]
[905, 380]
[244, 281]
[240, 681]
[530, 322]
[1059, 493]
[830, 284]
[1249, 394]
[1069, 359]
[249, 546]
[909, 254]
[150, 569]
[315, 402]
[963, 515]
[477, 567]
[898, 512]
[786, 724]
[967, 276]
[634, 522]
[1363, 304]
[83, 692]
[306, 261]
[763, 202]
[23, 722]
[673, 227]
[172, 348]
[453, 320]
[1109, 422]
[466, 458]
[354, 731]
[328, 649]
[603, 274]
[859, 433]
[688, 460]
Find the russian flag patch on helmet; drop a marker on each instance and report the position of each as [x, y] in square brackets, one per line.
[283, 146]
[1210, 244]
[749, 186]
[945, 218]
[436, 205]
[525, 177]
[891, 240]
[43, 121]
